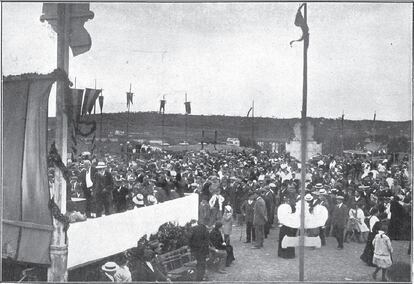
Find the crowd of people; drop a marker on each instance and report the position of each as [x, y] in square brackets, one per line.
[362, 194]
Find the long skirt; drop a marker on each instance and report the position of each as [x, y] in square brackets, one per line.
[368, 253]
[290, 251]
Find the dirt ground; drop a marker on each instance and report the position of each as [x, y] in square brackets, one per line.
[324, 264]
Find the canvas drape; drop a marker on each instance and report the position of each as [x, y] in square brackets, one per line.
[27, 220]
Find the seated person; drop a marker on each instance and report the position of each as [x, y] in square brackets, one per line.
[146, 267]
[218, 248]
[108, 271]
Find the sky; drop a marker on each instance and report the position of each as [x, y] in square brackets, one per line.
[225, 55]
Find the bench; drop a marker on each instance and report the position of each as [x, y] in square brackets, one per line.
[178, 263]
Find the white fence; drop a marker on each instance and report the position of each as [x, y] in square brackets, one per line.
[108, 235]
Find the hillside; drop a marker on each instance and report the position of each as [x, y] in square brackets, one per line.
[148, 125]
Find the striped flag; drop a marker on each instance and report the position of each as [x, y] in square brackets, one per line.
[89, 100]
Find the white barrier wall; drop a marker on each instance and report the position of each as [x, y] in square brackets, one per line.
[108, 235]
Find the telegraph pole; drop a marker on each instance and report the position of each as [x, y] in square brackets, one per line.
[186, 123]
[303, 150]
[57, 272]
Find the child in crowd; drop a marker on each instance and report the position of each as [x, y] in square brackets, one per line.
[382, 252]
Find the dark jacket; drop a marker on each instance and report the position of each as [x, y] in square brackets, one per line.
[340, 216]
[102, 184]
[260, 212]
[248, 210]
[199, 240]
[216, 239]
[140, 271]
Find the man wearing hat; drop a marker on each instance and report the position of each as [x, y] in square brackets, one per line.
[108, 271]
[86, 179]
[247, 209]
[103, 184]
[259, 218]
[339, 220]
[120, 194]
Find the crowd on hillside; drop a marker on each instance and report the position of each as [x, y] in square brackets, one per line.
[247, 187]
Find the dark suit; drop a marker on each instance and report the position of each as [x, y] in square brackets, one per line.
[87, 192]
[102, 188]
[142, 272]
[199, 243]
[259, 220]
[339, 221]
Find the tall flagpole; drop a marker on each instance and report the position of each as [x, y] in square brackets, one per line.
[130, 88]
[163, 117]
[94, 106]
[186, 123]
[342, 134]
[303, 151]
[253, 123]
[57, 272]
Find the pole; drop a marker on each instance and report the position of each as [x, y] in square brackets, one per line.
[127, 136]
[253, 123]
[57, 272]
[163, 114]
[342, 134]
[186, 123]
[303, 153]
[94, 106]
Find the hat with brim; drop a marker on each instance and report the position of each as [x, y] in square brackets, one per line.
[322, 191]
[318, 186]
[110, 267]
[308, 197]
[138, 199]
[340, 197]
[101, 165]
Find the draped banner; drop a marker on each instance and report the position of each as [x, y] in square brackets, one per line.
[27, 220]
[73, 104]
[89, 100]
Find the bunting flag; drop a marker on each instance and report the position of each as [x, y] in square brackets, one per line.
[129, 98]
[73, 104]
[342, 120]
[187, 107]
[89, 100]
[79, 38]
[375, 116]
[301, 22]
[162, 106]
[27, 221]
[101, 100]
[248, 113]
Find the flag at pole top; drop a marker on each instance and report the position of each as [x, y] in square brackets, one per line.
[79, 38]
[187, 107]
[129, 98]
[101, 101]
[162, 106]
[301, 22]
[248, 113]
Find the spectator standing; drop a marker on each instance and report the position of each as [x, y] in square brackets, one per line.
[339, 220]
[247, 209]
[199, 245]
[259, 219]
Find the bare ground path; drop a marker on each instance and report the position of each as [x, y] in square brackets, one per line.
[324, 264]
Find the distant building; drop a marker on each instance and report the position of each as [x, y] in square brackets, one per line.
[233, 141]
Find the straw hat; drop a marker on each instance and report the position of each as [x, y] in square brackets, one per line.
[101, 165]
[110, 267]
